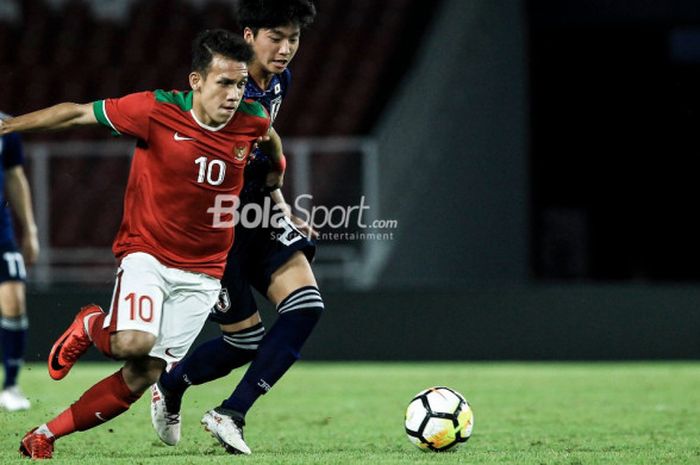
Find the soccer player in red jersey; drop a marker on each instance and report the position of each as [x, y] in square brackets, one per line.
[188, 162]
[274, 260]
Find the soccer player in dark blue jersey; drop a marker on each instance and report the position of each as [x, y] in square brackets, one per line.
[13, 317]
[274, 260]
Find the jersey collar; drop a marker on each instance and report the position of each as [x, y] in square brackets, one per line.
[210, 128]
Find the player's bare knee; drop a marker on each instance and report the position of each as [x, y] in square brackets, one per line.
[12, 301]
[132, 344]
[292, 276]
[140, 373]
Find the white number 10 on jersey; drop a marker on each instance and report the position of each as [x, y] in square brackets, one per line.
[212, 172]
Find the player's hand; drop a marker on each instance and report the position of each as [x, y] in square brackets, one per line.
[30, 247]
[260, 139]
[274, 180]
[305, 228]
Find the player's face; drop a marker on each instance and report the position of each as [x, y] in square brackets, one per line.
[274, 48]
[218, 94]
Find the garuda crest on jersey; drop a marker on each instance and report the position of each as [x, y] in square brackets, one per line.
[241, 150]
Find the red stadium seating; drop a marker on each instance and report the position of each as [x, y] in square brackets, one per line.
[338, 74]
[349, 62]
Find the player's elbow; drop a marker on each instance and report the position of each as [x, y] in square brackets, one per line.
[78, 114]
[61, 116]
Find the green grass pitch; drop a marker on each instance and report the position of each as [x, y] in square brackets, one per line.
[352, 413]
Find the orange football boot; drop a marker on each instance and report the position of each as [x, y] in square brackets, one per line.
[72, 344]
[36, 446]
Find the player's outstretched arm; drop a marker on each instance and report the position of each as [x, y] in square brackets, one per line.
[61, 116]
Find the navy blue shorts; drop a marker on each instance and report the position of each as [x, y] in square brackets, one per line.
[256, 254]
[11, 264]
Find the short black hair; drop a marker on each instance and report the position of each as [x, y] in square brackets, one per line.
[218, 41]
[268, 14]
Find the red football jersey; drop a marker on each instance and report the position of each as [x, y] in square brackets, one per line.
[179, 167]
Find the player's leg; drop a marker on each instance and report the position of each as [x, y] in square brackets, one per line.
[102, 402]
[294, 291]
[237, 315]
[213, 359]
[279, 349]
[13, 334]
[129, 331]
[184, 316]
[13, 326]
[281, 270]
[237, 346]
[242, 330]
[142, 318]
[209, 361]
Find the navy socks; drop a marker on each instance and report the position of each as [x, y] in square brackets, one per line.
[13, 333]
[212, 360]
[279, 349]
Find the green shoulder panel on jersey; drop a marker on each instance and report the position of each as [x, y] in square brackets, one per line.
[98, 108]
[253, 108]
[182, 99]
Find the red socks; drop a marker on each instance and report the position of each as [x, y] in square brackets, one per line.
[105, 400]
[101, 337]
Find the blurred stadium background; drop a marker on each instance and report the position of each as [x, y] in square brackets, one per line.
[537, 156]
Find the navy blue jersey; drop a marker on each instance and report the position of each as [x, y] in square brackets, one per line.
[11, 155]
[271, 98]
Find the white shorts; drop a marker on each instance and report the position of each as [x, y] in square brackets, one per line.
[170, 303]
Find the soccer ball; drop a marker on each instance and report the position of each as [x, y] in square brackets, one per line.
[438, 419]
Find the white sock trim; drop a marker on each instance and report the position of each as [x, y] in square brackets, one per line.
[44, 429]
[86, 324]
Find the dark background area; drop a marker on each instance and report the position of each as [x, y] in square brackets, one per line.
[615, 102]
[538, 154]
[62, 51]
[536, 323]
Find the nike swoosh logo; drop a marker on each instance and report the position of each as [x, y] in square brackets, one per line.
[99, 416]
[178, 137]
[167, 352]
[54, 360]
